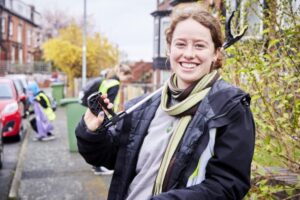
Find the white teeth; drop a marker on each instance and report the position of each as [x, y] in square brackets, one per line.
[188, 65]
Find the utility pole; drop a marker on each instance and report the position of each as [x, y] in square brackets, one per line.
[84, 46]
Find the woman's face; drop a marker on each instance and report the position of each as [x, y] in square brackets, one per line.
[191, 52]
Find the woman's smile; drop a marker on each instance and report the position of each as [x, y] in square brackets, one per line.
[186, 65]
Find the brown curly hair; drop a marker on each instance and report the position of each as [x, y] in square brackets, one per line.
[198, 13]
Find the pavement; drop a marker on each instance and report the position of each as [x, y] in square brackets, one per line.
[48, 170]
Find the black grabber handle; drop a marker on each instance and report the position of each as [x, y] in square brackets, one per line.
[96, 104]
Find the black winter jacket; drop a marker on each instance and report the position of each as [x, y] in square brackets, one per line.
[225, 108]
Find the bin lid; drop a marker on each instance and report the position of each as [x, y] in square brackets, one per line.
[56, 84]
[67, 101]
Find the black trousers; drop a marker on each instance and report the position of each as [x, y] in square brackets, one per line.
[34, 126]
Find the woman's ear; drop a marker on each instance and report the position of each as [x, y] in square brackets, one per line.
[168, 51]
[217, 54]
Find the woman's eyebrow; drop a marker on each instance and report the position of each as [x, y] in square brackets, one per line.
[200, 40]
[187, 40]
[179, 39]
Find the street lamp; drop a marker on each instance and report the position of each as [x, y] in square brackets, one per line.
[84, 46]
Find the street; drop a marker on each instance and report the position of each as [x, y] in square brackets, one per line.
[48, 170]
[11, 151]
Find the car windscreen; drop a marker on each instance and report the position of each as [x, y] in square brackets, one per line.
[19, 86]
[5, 91]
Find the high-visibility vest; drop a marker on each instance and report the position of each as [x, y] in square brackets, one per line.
[106, 85]
[48, 111]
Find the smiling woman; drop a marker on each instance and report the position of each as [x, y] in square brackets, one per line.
[195, 140]
[194, 52]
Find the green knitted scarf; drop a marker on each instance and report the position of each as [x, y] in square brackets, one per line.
[189, 99]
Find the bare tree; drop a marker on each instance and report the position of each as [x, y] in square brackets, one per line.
[56, 19]
[53, 21]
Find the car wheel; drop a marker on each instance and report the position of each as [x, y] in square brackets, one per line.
[23, 130]
[21, 133]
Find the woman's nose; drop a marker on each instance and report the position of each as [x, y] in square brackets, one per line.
[189, 52]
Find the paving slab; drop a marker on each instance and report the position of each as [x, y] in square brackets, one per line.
[51, 171]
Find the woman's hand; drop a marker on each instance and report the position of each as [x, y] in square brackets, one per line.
[93, 122]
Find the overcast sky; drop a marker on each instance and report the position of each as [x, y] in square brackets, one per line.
[125, 23]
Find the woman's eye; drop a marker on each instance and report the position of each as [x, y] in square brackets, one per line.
[199, 46]
[180, 45]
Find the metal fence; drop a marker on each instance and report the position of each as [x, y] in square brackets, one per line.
[7, 67]
[133, 90]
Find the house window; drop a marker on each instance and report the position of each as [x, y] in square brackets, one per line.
[163, 43]
[29, 58]
[20, 33]
[37, 39]
[3, 25]
[252, 15]
[13, 55]
[156, 37]
[28, 36]
[20, 56]
[11, 28]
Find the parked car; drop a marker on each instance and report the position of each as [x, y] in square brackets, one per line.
[22, 77]
[21, 83]
[22, 91]
[11, 109]
[1, 144]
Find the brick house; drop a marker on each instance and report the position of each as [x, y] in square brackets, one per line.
[19, 35]
[141, 72]
[141, 82]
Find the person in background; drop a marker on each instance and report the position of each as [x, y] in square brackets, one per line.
[43, 113]
[109, 85]
[194, 140]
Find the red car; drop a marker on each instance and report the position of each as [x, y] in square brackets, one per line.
[11, 109]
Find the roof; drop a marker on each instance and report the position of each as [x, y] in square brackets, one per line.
[142, 72]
